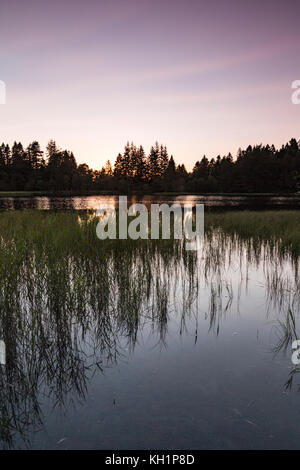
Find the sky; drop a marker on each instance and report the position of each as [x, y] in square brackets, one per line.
[200, 77]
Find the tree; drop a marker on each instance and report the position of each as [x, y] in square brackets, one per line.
[20, 168]
[34, 155]
[153, 162]
[119, 167]
[259, 168]
[108, 169]
[163, 160]
[141, 165]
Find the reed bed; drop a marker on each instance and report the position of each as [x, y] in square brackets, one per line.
[70, 303]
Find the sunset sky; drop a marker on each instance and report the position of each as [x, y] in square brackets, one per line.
[200, 77]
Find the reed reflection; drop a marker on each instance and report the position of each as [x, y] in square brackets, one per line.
[71, 305]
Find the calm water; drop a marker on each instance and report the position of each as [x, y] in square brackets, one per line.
[93, 202]
[155, 349]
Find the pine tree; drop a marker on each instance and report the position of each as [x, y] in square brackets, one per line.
[34, 155]
[7, 155]
[163, 160]
[119, 167]
[141, 165]
[153, 162]
[108, 168]
[171, 170]
[20, 168]
[2, 156]
[52, 151]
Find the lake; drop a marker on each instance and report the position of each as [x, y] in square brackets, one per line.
[142, 344]
[93, 202]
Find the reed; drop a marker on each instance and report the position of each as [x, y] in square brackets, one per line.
[70, 303]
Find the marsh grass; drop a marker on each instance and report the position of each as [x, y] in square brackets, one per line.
[278, 229]
[286, 332]
[70, 303]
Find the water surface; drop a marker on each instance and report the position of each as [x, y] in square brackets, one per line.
[145, 345]
[93, 202]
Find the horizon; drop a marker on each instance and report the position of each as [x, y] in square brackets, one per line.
[212, 79]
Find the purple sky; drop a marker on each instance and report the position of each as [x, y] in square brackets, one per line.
[200, 77]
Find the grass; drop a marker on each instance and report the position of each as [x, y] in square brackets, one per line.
[62, 288]
[281, 228]
[286, 332]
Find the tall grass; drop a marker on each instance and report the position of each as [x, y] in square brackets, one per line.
[280, 228]
[70, 303]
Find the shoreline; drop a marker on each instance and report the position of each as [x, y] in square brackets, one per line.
[30, 194]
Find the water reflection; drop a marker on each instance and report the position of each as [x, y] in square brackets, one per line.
[68, 312]
[93, 202]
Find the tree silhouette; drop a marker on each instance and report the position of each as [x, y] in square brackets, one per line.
[257, 169]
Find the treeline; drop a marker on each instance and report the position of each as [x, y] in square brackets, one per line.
[257, 169]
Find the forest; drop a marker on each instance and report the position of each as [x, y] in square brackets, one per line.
[257, 169]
